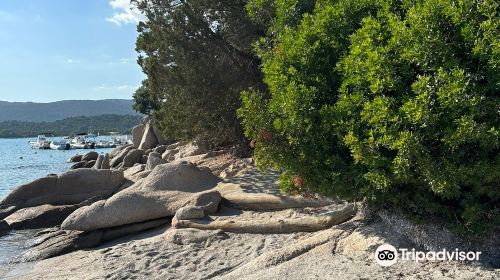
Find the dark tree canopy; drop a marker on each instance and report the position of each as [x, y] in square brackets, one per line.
[143, 103]
[198, 57]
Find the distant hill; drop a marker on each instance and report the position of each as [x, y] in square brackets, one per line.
[46, 112]
[95, 124]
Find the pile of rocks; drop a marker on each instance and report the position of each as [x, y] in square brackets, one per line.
[90, 160]
[147, 138]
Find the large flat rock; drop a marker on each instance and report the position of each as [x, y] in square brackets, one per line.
[70, 187]
[169, 187]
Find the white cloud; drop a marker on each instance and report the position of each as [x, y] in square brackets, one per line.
[128, 13]
[70, 60]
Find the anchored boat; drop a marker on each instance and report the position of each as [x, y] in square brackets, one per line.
[40, 143]
[81, 142]
[54, 145]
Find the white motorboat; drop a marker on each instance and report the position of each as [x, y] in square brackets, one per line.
[40, 143]
[54, 145]
[81, 142]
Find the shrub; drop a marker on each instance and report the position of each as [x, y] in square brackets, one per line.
[395, 101]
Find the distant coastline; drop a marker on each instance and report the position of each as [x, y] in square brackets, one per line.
[102, 124]
[59, 110]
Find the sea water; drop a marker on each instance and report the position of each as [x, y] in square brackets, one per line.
[20, 164]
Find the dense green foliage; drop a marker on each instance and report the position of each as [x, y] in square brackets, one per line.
[197, 56]
[95, 124]
[143, 103]
[395, 101]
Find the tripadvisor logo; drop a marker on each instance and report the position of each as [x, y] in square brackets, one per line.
[387, 255]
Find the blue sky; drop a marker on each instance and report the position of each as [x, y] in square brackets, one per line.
[67, 49]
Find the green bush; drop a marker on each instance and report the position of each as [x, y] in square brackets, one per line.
[393, 101]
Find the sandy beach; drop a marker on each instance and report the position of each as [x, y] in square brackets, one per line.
[342, 252]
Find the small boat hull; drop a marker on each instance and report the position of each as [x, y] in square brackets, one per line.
[60, 146]
[79, 146]
[39, 146]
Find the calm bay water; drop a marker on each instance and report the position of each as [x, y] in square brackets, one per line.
[19, 164]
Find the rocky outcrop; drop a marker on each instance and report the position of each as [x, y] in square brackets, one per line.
[133, 156]
[4, 227]
[116, 151]
[148, 140]
[105, 162]
[90, 164]
[136, 173]
[180, 150]
[154, 159]
[140, 175]
[39, 216]
[119, 157]
[146, 206]
[180, 176]
[90, 156]
[98, 162]
[189, 213]
[191, 149]
[6, 210]
[44, 215]
[78, 165]
[160, 149]
[132, 171]
[70, 187]
[137, 133]
[168, 188]
[169, 154]
[147, 135]
[75, 158]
